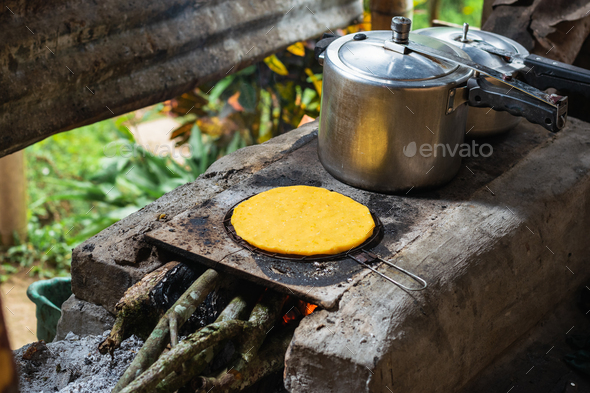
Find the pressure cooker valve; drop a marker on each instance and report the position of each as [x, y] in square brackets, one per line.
[401, 27]
[465, 30]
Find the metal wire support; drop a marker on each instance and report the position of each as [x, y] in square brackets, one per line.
[366, 256]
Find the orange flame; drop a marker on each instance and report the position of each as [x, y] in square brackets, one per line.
[309, 308]
[300, 310]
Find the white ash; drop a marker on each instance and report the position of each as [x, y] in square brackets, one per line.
[74, 365]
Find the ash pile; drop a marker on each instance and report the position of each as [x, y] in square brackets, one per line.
[219, 333]
[73, 365]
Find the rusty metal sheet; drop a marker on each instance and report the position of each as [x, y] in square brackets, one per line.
[67, 63]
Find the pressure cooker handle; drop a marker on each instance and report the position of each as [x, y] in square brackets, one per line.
[322, 45]
[544, 73]
[567, 79]
[484, 94]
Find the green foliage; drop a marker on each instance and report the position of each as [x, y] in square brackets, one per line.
[256, 103]
[135, 177]
[46, 245]
[6, 270]
[52, 224]
[69, 155]
[453, 11]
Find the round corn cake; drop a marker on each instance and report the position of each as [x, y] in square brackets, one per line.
[302, 220]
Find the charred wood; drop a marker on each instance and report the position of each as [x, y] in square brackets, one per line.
[182, 309]
[145, 302]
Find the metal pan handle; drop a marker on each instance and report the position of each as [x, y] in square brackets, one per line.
[322, 45]
[567, 79]
[544, 73]
[482, 93]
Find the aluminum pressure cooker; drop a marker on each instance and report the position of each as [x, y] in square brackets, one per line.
[512, 59]
[394, 107]
[481, 122]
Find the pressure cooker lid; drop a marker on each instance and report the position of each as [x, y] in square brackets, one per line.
[365, 55]
[454, 35]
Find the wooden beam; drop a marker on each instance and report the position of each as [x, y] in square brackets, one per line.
[67, 63]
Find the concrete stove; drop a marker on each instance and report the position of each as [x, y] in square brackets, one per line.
[499, 246]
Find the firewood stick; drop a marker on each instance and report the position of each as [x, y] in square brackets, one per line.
[173, 325]
[132, 308]
[157, 341]
[262, 317]
[186, 349]
[174, 381]
[115, 337]
[269, 360]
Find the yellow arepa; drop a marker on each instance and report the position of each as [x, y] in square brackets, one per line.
[302, 220]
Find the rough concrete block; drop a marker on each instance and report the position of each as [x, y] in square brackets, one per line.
[104, 266]
[496, 263]
[82, 318]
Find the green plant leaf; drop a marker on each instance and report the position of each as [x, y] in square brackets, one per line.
[308, 95]
[247, 71]
[220, 87]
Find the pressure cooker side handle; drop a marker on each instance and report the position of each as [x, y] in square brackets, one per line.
[544, 73]
[322, 45]
[482, 93]
[567, 79]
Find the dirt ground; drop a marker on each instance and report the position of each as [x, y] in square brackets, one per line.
[18, 310]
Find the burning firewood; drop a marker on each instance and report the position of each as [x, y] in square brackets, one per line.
[236, 309]
[178, 313]
[269, 360]
[263, 316]
[240, 337]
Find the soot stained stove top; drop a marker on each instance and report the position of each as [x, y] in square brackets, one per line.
[200, 235]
